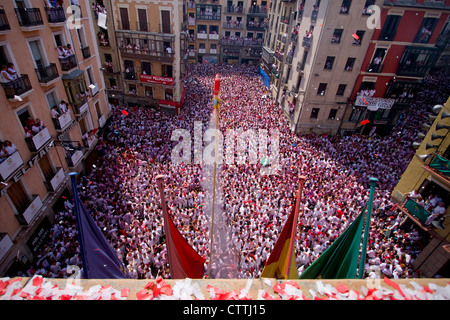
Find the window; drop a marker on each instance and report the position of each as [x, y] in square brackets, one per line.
[333, 113]
[25, 117]
[322, 89]
[329, 63]
[165, 21]
[341, 90]
[376, 65]
[426, 30]
[19, 197]
[125, 22]
[366, 7]
[142, 16]
[90, 76]
[51, 100]
[98, 110]
[314, 113]
[167, 70]
[350, 63]
[358, 36]
[337, 34]
[149, 92]
[390, 27]
[46, 168]
[345, 6]
[146, 68]
[36, 52]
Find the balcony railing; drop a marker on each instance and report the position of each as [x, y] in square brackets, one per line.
[10, 165]
[259, 10]
[39, 140]
[62, 121]
[29, 17]
[439, 166]
[85, 52]
[4, 24]
[130, 76]
[241, 41]
[47, 74]
[17, 87]
[306, 43]
[55, 15]
[57, 179]
[416, 210]
[68, 63]
[234, 9]
[233, 25]
[32, 211]
[73, 157]
[314, 15]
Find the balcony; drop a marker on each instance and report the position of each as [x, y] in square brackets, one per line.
[415, 212]
[234, 9]
[314, 15]
[36, 142]
[32, 211]
[80, 107]
[439, 167]
[306, 43]
[257, 10]
[55, 16]
[18, 87]
[233, 25]
[30, 19]
[68, 63]
[85, 52]
[256, 26]
[203, 36]
[148, 54]
[4, 24]
[73, 157]
[213, 36]
[47, 74]
[10, 165]
[5, 244]
[63, 121]
[57, 180]
[241, 41]
[130, 76]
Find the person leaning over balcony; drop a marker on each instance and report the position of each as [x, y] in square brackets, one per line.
[12, 71]
[10, 148]
[4, 75]
[3, 152]
[54, 112]
[436, 213]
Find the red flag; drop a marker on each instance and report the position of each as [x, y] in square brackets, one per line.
[355, 36]
[365, 122]
[124, 112]
[184, 261]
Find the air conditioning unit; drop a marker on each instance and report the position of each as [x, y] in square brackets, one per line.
[94, 89]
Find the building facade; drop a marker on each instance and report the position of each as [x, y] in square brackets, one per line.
[411, 40]
[53, 105]
[428, 174]
[312, 52]
[145, 59]
[226, 31]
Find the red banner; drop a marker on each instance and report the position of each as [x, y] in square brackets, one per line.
[155, 79]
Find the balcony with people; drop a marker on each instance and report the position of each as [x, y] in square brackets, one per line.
[67, 58]
[146, 46]
[36, 134]
[10, 160]
[16, 86]
[426, 207]
[61, 116]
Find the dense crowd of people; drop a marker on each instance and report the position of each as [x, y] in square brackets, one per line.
[122, 196]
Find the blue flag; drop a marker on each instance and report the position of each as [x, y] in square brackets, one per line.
[99, 259]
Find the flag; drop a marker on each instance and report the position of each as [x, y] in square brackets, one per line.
[355, 36]
[340, 260]
[184, 261]
[276, 264]
[124, 113]
[365, 122]
[99, 259]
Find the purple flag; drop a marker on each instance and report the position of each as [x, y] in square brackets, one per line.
[100, 261]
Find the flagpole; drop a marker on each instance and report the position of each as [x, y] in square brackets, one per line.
[76, 206]
[362, 261]
[216, 104]
[159, 182]
[294, 226]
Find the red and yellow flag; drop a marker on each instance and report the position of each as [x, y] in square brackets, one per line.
[283, 254]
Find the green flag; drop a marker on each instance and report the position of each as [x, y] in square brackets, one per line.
[340, 260]
[441, 164]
